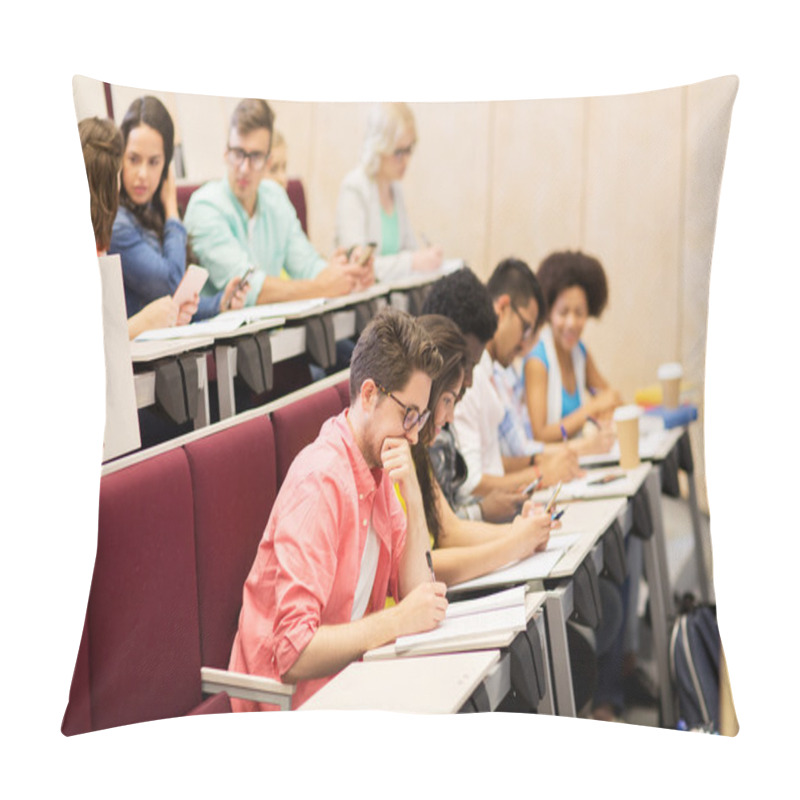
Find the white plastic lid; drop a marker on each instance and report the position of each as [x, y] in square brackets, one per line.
[670, 371]
[622, 413]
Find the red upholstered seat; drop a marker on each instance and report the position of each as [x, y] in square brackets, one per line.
[233, 474]
[184, 193]
[297, 425]
[142, 620]
[297, 196]
[78, 716]
[343, 387]
[219, 703]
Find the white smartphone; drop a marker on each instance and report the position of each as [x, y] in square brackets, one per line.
[192, 281]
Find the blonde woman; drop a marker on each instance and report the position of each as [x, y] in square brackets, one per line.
[371, 207]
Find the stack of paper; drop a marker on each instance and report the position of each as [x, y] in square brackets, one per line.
[503, 611]
[535, 567]
[231, 320]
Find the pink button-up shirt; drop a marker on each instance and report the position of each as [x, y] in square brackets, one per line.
[307, 566]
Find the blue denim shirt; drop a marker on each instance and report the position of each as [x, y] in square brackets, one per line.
[152, 269]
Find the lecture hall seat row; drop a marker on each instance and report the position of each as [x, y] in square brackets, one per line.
[177, 534]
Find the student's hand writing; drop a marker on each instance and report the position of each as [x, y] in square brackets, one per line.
[558, 464]
[594, 440]
[533, 531]
[427, 259]
[422, 609]
[500, 505]
[231, 298]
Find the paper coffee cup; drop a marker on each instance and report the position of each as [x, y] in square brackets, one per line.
[670, 376]
[626, 421]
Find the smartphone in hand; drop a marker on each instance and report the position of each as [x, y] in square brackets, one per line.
[191, 283]
[246, 277]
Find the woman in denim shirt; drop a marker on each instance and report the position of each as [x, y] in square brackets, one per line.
[148, 233]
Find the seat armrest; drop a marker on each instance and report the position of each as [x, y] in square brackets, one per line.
[247, 687]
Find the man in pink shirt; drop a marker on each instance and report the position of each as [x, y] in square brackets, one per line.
[337, 540]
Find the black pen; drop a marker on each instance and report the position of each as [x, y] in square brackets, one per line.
[430, 564]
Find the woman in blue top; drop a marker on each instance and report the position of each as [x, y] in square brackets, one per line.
[563, 387]
[148, 233]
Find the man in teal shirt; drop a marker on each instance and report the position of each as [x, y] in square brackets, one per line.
[243, 221]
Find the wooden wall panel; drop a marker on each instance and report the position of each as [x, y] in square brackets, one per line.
[633, 209]
[537, 178]
[447, 181]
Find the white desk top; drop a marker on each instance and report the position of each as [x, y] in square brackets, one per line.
[581, 488]
[652, 447]
[438, 684]
[144, 352]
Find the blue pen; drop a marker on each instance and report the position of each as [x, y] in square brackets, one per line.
[564, 433]
[557, 516]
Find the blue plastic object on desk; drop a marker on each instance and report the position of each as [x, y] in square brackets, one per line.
[675, 417]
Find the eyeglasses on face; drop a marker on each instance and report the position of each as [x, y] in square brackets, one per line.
[527, 327]
[411, 414]
[236, 156]
[403, 152]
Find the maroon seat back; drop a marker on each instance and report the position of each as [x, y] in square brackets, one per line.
[142, 621]
[184, 193]
[78, 716]
[343, 387]
[297, 196]
[233, 473]
[297, 425]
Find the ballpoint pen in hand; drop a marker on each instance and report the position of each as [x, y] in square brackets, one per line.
[430, 564]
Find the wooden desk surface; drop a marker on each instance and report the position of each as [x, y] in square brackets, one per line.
[439, 684]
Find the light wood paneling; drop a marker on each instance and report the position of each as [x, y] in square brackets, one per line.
[633, 209]
[538, 167]
[447, 181]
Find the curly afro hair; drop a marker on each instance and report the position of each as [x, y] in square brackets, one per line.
[563, 270]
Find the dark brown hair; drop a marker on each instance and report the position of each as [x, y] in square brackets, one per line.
[149, 111]
[252, 114]
[101, 143]
[452, 347]
[389, 349]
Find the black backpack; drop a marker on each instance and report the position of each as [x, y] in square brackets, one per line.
[694, 658]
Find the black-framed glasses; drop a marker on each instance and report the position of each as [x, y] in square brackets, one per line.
[527, 327]
[403, 152]
[411, 414]
[236, 157]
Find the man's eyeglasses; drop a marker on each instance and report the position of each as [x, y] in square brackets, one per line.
[236, 157]
[412, 415]
[527, 327]
[403, 152]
